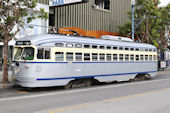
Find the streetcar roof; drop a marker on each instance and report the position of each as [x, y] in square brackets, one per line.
[40, 40]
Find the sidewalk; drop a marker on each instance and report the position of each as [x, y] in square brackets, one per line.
[9, 78]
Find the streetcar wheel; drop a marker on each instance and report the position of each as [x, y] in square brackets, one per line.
[88, 82]
[69, 85]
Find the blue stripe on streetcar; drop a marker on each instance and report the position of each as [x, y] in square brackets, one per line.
[95, 76]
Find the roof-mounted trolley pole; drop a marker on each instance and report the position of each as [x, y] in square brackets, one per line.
[133, 7]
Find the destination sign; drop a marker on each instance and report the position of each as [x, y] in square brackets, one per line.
[63, 2]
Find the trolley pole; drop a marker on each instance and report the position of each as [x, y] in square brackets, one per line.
[133, 10]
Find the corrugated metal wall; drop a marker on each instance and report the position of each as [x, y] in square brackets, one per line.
[84, 16]
[43, 1]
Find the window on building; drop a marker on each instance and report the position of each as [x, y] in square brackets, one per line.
[59, 56]
[78, 56]
[102, 4]
[94, 57]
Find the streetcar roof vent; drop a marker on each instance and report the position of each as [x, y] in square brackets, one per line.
[116, 38]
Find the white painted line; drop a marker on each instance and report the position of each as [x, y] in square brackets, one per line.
[79, 90]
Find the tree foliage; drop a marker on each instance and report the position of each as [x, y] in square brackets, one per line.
[14, 14]
[150, 23]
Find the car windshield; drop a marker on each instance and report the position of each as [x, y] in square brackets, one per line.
[28, 53]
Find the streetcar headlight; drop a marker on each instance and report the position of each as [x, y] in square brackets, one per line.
[12, 64]
[16, 71]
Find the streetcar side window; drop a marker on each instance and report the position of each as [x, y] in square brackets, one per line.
[94, 57]
[137, 57]
[43, 53]
[108, 57]
[86, 56]
[102, 56]
[146, 57]
[114, 48]
[121, 57]
[131, 57]
[69, 56]
[78, 56]
[150, 57]
[59, 56]
[141, 57]
[114, 57]
[47, 53]
[127, 57]
[101, 47]
[40, 53]
[94, 46]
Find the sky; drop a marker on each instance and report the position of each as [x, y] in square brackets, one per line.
[164, 2]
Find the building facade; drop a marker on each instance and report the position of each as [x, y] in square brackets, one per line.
[91, 15]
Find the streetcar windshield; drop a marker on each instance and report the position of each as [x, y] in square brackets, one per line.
[26, 53]
[18, 53]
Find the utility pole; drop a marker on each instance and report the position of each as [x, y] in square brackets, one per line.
[133, 10]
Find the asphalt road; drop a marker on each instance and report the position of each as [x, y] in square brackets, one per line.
[150, 96]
